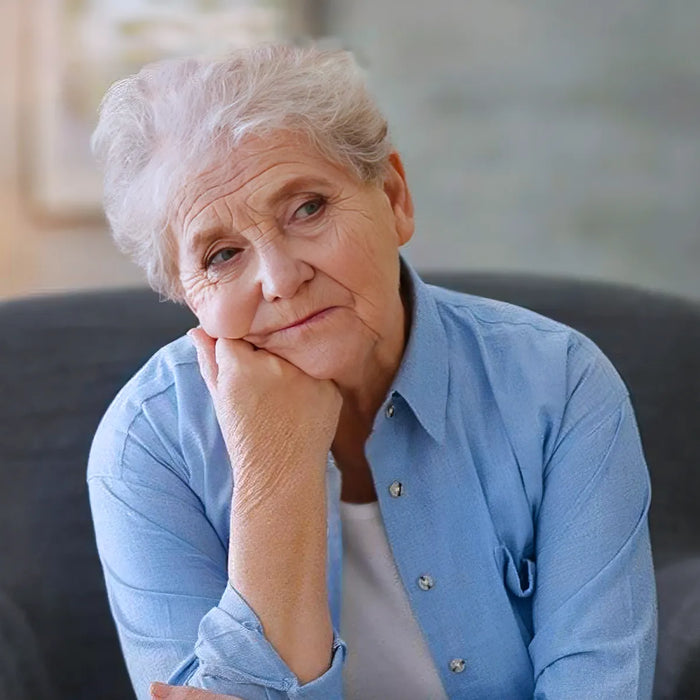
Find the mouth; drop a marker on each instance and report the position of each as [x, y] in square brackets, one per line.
[315, 316]
[299, 324]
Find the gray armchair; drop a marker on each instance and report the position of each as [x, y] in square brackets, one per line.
[63, 358]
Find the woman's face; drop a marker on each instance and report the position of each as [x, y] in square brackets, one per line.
[292, 253]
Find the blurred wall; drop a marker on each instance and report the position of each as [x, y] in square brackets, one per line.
[550, 136]
[36, 253]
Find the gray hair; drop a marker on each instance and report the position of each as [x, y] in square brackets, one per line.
[169, 121]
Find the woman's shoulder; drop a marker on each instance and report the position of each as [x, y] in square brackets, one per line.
[493, 316]
[525, 358]
[515, 334]
[171, 366]
[150, 410]
[535, 377]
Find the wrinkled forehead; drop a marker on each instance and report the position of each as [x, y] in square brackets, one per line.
[222, 163]
[250, 180]
[259, 161]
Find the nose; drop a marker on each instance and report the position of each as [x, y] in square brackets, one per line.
[280, 273]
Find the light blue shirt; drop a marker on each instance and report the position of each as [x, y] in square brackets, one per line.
[524, 496]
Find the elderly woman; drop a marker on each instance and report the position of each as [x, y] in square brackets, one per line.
[483, 461]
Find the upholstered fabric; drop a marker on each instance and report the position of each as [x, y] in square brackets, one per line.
[678, 673]
[63, 358]
[22, 668]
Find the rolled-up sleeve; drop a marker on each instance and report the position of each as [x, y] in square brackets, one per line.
[229, 649]
[594, 611]
[165, 568]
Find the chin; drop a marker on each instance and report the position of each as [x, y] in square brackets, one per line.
[319, 370]
[324, 363]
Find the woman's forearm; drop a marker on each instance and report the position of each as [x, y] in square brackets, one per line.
[277, 562]
[278, 424]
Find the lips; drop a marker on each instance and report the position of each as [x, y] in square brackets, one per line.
[299, 322]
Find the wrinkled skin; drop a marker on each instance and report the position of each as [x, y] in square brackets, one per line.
[302, 410]
[301, 235]
[291, 265]
[268, 238]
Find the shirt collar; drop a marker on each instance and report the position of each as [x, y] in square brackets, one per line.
[422, 379]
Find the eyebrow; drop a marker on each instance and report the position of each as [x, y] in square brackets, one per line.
[204, 237]
[297, 184]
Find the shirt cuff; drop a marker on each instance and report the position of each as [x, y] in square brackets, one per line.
[233, 649]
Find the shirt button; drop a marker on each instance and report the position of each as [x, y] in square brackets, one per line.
[390, 410]
[425, 582]
[457, 665]
[395, 489]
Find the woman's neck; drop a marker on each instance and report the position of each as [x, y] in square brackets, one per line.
[365, 391]
[363, 398]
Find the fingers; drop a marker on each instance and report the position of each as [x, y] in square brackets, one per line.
[215, 354]
[228, 350]
[205, 347]
[161, 691]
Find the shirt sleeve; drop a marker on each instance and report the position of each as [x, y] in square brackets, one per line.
[594, 610]
[165, 569]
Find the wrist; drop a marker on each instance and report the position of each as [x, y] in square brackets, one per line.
[260, 474]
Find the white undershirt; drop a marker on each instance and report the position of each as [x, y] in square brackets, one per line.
[387, 656]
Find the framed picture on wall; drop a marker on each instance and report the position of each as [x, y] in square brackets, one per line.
[74, 49]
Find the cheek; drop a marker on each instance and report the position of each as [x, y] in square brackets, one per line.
[224, 312]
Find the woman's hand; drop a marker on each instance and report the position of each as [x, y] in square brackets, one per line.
[273, 416]
[161, 691]
[278, 424]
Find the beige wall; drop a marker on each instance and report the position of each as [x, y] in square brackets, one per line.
[36, 255]
[559, 142]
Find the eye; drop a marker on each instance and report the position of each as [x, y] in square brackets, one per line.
[222, 256]
[308, 209]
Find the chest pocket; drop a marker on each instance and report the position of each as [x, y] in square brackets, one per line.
[519, 581]
[518, 576]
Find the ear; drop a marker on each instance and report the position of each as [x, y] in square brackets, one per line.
[396, 189]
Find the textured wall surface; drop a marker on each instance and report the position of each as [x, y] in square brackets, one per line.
[35, 254]
[549, 136]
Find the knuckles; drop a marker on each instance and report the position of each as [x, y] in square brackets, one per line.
[258, 395]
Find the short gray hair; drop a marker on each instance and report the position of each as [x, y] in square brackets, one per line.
[170, 120]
